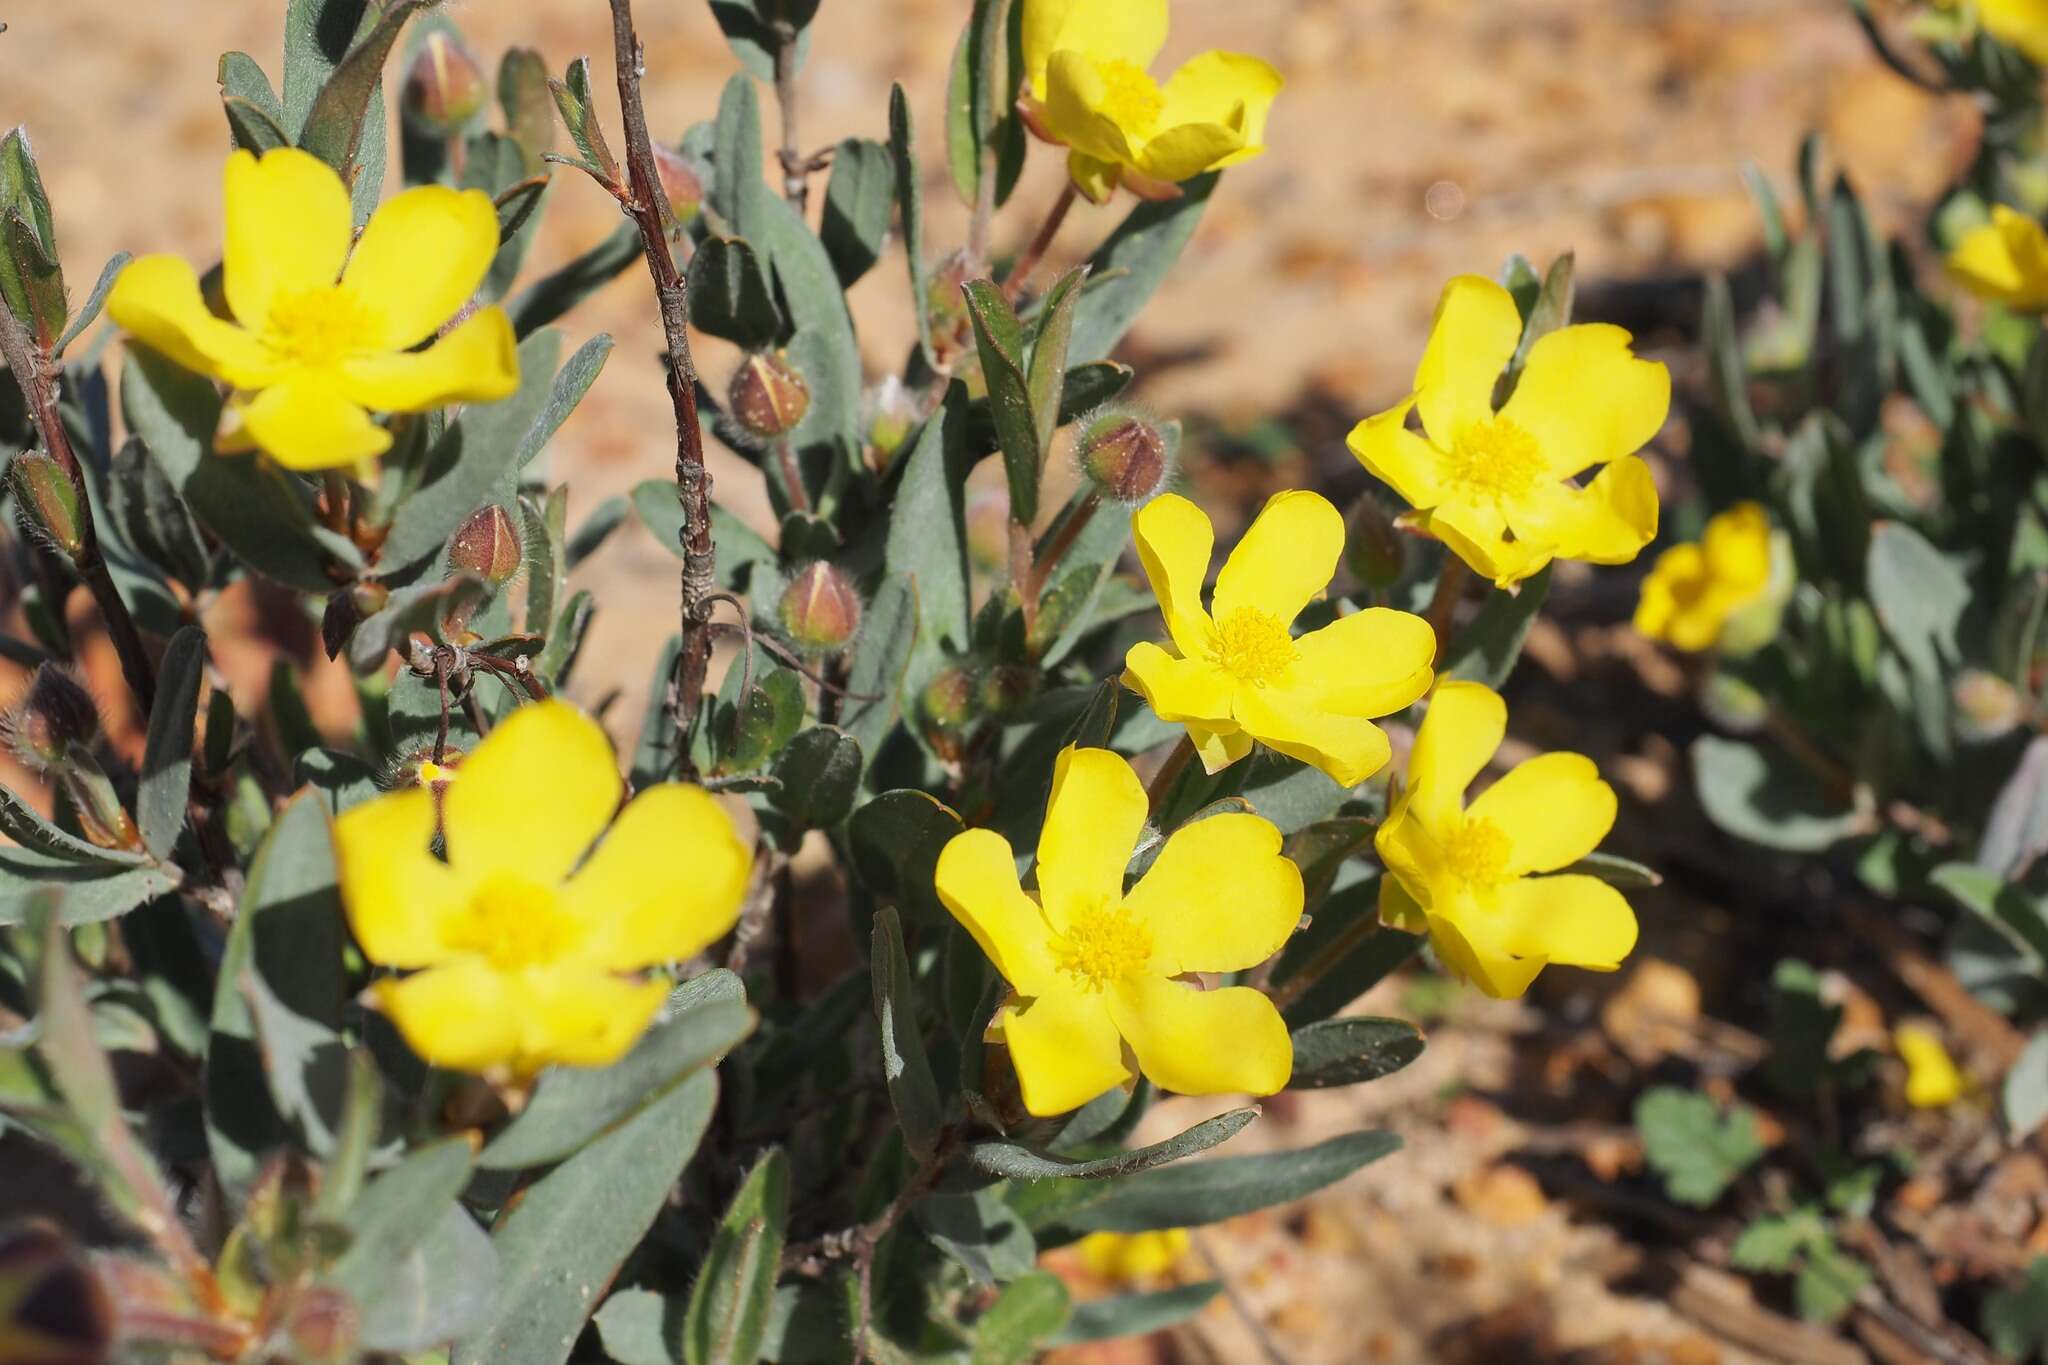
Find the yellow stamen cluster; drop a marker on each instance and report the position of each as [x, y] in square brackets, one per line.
[318, 328]
[514, 923]
[1477, 852]
[1103, 946]
[1496, 460]
[1254, 646]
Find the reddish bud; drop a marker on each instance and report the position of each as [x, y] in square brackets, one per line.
[768, 396]
[53, 1308]
[1006, 687]
[820, 611]
[1125, 456]
[50, 504]
[487, 546]
[948, 702]
[445, 87]
[53, 717]
[682, 183]
[1373, 545]
[1987, 706]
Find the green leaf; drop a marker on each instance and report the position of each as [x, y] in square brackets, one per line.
[391, 1224]
[1549, 310]
[1048, 372]
[979, 1231]
[31, 279]
[1764, 797]
[1616, 871]
[1129, 267]
[1001, 343]
[1210, 1191]
[20, 822]
[85, 892]
[528, 104]
[345, 124]
[1773, 1243]
[1350, 1050]
[858, 202]
[2016, 829]
[1134, 1315]
[572, 1229]
[654, 753]
[895, 841]
[2016, 1317]
[1693, 1147]
[1919, 595]
[927, 541]
[1727, 374]
[1031, 1308]
[1486, 650]
[317, 35]
[905, 1069]
[1375, 956]
[730, 296]
[910, 209]
[702, 1020]
[749, 731]
[251, 129]
[1829, 1282]
[166, 778]
[749, 27]
[2010, 910]
[980, 93]
[442, 1289]
[734, 1294]
[579, 115]
[880, 656]
[1014, 1161]
[90, 309]
[2024, 1096]
[634, 1326]
[552, 295]
[819, 777]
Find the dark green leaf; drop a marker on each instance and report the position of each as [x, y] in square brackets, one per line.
[345, 125]
[85, 892]
[1014, 1161]
[750, 27]
[1048, 373]
[1129, 268]
[819, 775]
[30, 278]
[895, 841]
[1350, 1050]
[1031, 1308]
[1765, 798]
[730, 296]
[734, 1293]
[910, 208]
[858, 201]
[905, 1068]
[1692, 1146]
[1001, 343]
[1134, 1315]
[1616, 871]
[1485, 651]
[980, 93]
[549, 297]
[1211, 1191]
[880, 655]
[166, 778]
[2016, 1317]
[2010, 910]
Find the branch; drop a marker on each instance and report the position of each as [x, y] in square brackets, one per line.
[796, 168]
[651, 214]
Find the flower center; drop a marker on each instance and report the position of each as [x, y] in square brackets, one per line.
[1477, 853]
[1133, 100]
[1496, 460]
[1102, 945]
[320, 327]
[514, 923]
[1253, 647]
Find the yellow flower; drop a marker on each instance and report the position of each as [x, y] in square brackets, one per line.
[1932, 1079]
[528, 949]
[1090, 90]
[1092, 967]
[1462, 874]
[1133, 1257]
[1694, 588]
[1497, 487]
[1235, 674]
[320, 332]
[2021, 23]
[2005, 260]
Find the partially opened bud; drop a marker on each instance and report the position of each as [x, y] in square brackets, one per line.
[487, 545]
[1987, 706]
[445, 87]
[1373, 546]
[682, 183]
[49, 502]
[888, 412]
[1125, 456]
[768, 397]
[820, 611]
[55, 716]
[948, 702]
[53, 1308]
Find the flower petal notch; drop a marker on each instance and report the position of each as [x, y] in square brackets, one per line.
[318, 335]
[1499, 486]
[1484, 878]
[527, 944]
[1095, 971]
[1234, 673]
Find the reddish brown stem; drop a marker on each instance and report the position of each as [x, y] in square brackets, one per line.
[1034, 252]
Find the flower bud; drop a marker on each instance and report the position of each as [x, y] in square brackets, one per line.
[682, 183]
[53, 717]
[820, 611]
[1987, 706]
[888, 412]
[768, 396]
[101, 816]
[988, 530]
[445, 87]
[948, 700]
[50, 502]
[487, 546]
[1006, 687]
[53, 1308]
[952, 328]
[1374, 548]
[1125, 456]
[1733, 704]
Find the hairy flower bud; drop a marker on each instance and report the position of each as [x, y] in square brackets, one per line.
[888, 413]
[53, 1308]
[101, 816]
[768, 396]
[445, 87]
[820, 611]
[1006, 687]
[487, 546]
[53, 717]
[952, 329]
[948, 702]
[682, 183]
[1374, 549]
[50, 502]
[1987, 706]
[1125, 456]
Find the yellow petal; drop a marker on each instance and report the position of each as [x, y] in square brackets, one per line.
[1608, 521]
[1399, 909]
[306, 422]
[1574, 920]
[1095, 179]
[1065, 1049]
[1285, 560]
[1226, 89]
[1218, 747]
[1477, 533]
[1397, 457]
[1932, 1080]
[1076, 96]
[462, 1016]
[1474, 335]
[288, 229]
[157, 301]
[2006, 260]
[665, 881]
[1737, 547]
[1554, 809]
[1176, 688]
[976, 878]
[1184, 151]
[422, 255]
[1587, 398]
[1371, 663]
[478, 362]
[1197, 1042]
[1092, 822]
[393, 886]
[1494, 972]
[533, 796]
[583, 1018]
[1175, 541]
[1130, 30]
[1465, 723]
[1220, 897]
[1348, 749]
[1676, 578]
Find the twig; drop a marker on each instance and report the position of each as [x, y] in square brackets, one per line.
[985, 183]
[1062, 541]
[1323, 963]
[1443, 604]
[651, 214]
[796, 169]
[1020, 272]
[1169, 773]
[1023, 577]
[816, 1256]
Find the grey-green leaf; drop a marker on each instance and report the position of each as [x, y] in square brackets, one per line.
[166, 778]
[734, 1293]
[1014, 1161]
[905, 1069]
[1352, 1049]
[1211, 1191]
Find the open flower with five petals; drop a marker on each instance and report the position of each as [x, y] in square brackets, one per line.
[525, 946]
[1093, 968]
[1497, 486]
[2004, 261]
[1470, 875]
[1235, 673]
[323, 334]
[1089, 89]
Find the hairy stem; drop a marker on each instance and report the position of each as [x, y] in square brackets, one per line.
[1034, 251]
[1443, 604]
[1062, 541]
[796, 171]
[1023, 576]
[650, 211]
[1169, 773]
[1323, 963]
